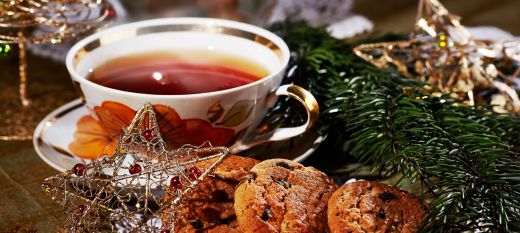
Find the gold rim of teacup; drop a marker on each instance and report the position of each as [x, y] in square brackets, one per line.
[211, 25]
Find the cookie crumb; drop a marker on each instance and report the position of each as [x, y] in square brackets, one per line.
[266, 214]
[386, 196]
[381, 214]
[284, 165]
[197, 224]
[283, 182]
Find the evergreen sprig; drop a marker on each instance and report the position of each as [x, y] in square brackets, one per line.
[466, 158]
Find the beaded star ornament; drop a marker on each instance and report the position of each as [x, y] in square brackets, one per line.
[443, 53]
[138, 187]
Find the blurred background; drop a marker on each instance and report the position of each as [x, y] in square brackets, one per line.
[399, 15]
[387, 15]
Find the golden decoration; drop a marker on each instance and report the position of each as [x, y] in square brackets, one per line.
[444, 54]
[136, 188]
[40, 21]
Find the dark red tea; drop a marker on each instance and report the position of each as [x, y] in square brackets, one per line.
[176, 73]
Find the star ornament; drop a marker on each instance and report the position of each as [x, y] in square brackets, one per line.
[443, 53]
[138, 187]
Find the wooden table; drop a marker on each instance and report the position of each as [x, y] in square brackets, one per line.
[23, 205]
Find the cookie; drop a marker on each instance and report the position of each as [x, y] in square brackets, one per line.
[365, 206]
[209, 207]
[283, 196]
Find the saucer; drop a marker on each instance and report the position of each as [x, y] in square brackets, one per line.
[56, 131]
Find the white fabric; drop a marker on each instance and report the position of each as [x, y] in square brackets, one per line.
[350, 26]
[490, 33]
[335, 14]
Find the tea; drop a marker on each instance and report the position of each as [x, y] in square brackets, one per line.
[176, 73]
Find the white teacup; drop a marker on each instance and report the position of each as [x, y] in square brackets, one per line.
[225, 118]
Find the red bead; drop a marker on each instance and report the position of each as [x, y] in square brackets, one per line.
[134, 169]
[79, 169]
[195, 173]
[165, 231]
[81, 210]
[148, 135]
[111, 12]
[175, 182]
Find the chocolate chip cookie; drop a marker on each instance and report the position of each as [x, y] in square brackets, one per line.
[209, 207]
[365, 206]
[280, 195]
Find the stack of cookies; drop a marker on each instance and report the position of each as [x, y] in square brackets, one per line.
[278, 195]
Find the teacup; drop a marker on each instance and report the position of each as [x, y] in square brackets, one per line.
[224, 118]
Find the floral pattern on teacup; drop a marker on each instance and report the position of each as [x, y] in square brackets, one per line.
[94, 137]
[236, 115]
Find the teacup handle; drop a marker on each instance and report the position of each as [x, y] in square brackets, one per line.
[313, 112]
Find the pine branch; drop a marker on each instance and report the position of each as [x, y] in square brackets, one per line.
[463, 155]
[479, 173]
[504, 125]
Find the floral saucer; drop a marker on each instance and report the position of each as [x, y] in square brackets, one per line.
[55, 139]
